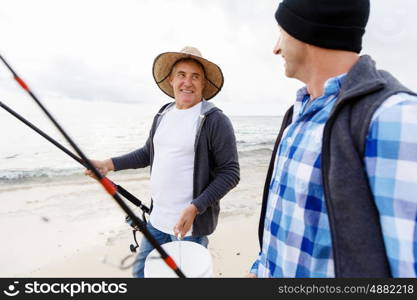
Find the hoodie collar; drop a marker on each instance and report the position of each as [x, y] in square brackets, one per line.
[363, 78]
[206, 108]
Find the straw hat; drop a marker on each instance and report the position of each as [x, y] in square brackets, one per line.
[162, 67]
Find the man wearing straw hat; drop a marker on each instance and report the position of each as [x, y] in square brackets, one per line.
[340, 194]
[191, 150]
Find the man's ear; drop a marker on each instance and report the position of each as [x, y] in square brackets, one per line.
[170, 78]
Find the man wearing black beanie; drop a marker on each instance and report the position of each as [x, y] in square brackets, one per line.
[339, 197]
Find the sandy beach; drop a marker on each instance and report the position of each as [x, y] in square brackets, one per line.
[232, 255]
[71, 228]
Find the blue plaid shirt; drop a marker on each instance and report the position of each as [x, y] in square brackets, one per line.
[297, 240]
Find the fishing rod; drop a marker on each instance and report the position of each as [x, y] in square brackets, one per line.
[120, 189]
[105, 182]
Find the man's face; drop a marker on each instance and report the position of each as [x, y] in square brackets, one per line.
[293, 52]
[187, 80]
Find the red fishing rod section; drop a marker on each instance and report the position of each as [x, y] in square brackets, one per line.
[105, 182]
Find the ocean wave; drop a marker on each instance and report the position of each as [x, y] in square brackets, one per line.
[244, 143]
[15, 176]
[48, 175]
[255, 152]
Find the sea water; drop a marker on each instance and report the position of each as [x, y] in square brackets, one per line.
[102, 130]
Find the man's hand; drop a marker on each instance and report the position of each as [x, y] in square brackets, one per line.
[186, 220]
[104, 166]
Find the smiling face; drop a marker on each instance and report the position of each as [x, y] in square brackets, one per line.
[293, 52]
[187, 80]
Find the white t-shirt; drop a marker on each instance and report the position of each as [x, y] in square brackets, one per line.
[173, 166]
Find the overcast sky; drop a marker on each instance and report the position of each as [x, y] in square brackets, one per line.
[103, 50]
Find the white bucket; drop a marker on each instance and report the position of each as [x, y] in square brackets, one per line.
[193, 259]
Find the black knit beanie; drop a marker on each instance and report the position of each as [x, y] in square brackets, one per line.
[333, 24]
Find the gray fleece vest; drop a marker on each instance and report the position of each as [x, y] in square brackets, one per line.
[358, 246]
